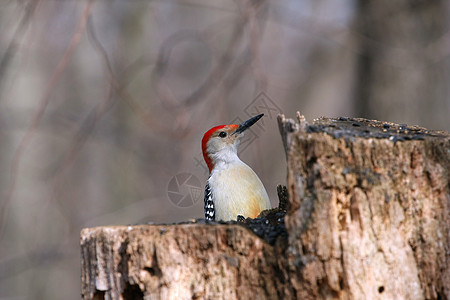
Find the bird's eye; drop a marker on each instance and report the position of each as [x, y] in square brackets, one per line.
[222, 134]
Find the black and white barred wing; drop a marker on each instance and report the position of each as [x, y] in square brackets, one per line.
[209, 204]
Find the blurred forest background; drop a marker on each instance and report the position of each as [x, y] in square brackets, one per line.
[103, 105]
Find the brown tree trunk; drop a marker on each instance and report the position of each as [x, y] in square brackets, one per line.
[368, 218]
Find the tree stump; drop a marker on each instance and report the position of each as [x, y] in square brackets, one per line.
[367, 218]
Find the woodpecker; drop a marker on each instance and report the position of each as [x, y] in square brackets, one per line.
[232, 188]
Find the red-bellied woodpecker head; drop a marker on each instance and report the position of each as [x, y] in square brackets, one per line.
[220, 142]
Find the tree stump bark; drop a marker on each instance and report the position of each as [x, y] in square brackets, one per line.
[368, 218]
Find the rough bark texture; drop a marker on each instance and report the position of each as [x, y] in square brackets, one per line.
[369, 213]
[368, 218]
[189, 261]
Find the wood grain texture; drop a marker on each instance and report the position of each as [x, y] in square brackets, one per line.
[189, 261]
[369, 213]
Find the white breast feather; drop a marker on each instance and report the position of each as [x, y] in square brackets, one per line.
[237, 190]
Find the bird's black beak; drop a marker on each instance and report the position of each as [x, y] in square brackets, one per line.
[246, 125]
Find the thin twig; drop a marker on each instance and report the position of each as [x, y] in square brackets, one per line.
[43, 103]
